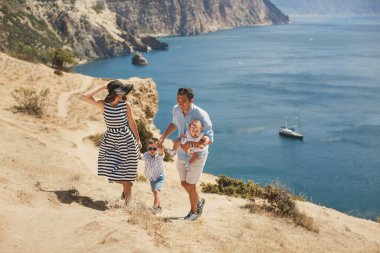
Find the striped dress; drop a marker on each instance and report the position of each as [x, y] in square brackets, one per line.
[118, 154]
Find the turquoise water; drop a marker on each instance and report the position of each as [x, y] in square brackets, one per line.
[250, 79]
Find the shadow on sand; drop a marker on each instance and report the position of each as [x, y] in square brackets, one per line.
[170, 219]
[72, 195]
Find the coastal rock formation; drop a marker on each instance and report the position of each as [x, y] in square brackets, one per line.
[329, 6]
[194, 17]
[101, 28]
[140, 60]
[154, 43]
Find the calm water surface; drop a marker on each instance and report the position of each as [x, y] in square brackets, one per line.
[250, 79]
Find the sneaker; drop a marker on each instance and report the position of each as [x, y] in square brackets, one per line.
[187, 216]
[200, 205]
[191, 216]
[171, 152]
[157, 210]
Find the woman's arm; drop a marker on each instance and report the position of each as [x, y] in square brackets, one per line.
[88, 97]
[132, 124]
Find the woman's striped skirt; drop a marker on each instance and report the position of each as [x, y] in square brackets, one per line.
[118, 155]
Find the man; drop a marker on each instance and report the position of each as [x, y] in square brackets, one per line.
[183, 113]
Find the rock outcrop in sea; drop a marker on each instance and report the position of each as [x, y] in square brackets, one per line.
[139, 59]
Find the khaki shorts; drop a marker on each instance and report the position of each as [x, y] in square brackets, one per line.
[192, 176]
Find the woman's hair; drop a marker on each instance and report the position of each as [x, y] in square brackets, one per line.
[186, 91]
[112, 87]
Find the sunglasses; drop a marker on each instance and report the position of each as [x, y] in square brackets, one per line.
[150, 149]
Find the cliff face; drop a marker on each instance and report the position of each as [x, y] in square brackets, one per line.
[329, 6]
[197, 16]
[99, 28]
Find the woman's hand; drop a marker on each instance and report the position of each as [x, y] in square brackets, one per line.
[139, 144]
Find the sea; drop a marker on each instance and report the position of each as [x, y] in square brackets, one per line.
[251, 79]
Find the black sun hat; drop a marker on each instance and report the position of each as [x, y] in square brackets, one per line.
[118, 87]
[126, 88]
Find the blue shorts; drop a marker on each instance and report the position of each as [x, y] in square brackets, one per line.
[157, 184]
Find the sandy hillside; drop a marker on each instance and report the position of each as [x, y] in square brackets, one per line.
[52, 200]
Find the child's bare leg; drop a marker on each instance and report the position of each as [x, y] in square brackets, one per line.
[185, 147]
[156, 195]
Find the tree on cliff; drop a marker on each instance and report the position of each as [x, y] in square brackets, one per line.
[61, 57]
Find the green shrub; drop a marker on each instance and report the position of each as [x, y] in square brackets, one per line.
[277, 199]
[30, 101]
[61, 57]
[144, 133]
[234, 187]
[58, 72]
[280, 199]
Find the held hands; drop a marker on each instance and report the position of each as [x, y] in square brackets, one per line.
[160, 141]
[139, 144]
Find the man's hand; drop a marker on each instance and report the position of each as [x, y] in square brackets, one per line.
[206, 140]
[160, 141]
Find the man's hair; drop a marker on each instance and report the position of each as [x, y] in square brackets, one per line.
[186, 91]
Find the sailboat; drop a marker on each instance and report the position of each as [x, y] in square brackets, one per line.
[294, 130]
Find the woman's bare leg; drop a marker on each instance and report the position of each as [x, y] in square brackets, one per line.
[127, 188]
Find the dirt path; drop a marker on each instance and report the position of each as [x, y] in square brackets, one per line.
[64, 97]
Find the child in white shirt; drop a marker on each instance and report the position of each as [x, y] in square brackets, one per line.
[154, 171]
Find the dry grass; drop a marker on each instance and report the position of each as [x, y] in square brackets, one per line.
[301, 219]
[30, 101]
[141, 178]
[143, 217]
[96, 138]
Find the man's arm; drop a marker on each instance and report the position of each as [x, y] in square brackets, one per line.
[207, 128]
[171, 128]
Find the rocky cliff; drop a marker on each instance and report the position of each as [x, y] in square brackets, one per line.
[193, 17]
[100, 28]
[329, 6]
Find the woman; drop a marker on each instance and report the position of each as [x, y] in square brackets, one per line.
[119, 149]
